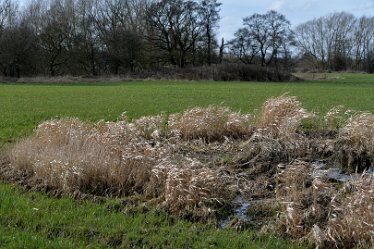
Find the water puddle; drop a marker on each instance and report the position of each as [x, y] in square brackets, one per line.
[334, 174]
[240, 212]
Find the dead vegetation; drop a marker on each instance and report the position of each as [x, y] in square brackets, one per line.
[199, 163]
[282, 116]
[355, 145]
[211, 123]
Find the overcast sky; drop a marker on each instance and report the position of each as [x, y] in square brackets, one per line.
[296, 11]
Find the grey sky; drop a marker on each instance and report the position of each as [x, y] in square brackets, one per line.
[297, 11]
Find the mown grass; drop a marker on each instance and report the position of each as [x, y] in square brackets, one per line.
[23, 106]
[34, 220]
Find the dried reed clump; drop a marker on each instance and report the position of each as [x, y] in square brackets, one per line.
[305, 200]
[191, 189]
[262, 147]
[318, 210]
[359, 131]
[151, 126]
[351, 222]
[210, 123]
[55, 133]
[62, 132]
[292, 193]
[282, 116]
[355, 145]
[116, 159]
[328, 217]
[109, 158]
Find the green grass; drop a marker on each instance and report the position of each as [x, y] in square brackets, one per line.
[22, 107]
[33, 220]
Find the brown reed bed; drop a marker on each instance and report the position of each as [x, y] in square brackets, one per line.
[198, 162]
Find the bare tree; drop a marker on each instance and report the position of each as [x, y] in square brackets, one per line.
[363, 40]
[85, 38]
[338, 41]
[120, 25]
[174, 29]
[341, 26]
[56, 35]
[209, 10]
[17, 41]
[244, 47]
[263, 36]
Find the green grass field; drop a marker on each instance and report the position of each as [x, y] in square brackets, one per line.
[33, 220]
[22, 107]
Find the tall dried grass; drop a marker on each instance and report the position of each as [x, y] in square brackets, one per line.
[355, 145]
[351, 222]
[210, 123]
[70, 155]
[282, 116]
[151, 126]
[291, 192]
[324, 213]
[359, 131]
[191, 188]
[119, 159]
[305, 200]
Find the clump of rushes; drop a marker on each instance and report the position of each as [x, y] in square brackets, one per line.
[282, 116]
[351, 221]
[210, 123]
[151, 126]
[359, 131]
[69, 155]
[355, 145]
[291, 192]
[191, 189]
[121, 159]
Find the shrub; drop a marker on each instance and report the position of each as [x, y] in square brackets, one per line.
[220, 72]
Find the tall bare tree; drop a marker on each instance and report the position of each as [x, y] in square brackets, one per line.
[209, 10]
[174, 29]
[56, 34]
[263, 37]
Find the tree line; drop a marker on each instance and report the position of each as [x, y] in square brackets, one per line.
[338, 41]
[106, 37]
